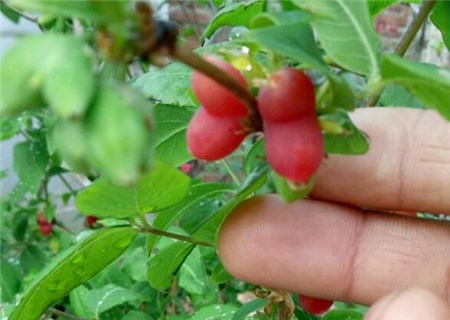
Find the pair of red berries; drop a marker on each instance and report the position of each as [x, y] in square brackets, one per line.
[293, 138]
[45, 226]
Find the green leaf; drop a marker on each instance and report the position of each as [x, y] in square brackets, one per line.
[32, 259]
[395, 95]
[20, 225]
[12, 15]
[268, 19]
[26, 79]
[192, 276]
[96, 10]
[235, 14]
[341, 93]
[67, 87]
[440, 18]
[170, 85]
[429, 83]
[170, 138]
[246, 309]
[295, 41]
[137, 315]
[101, 300]
[343, 315]
[135, 264]
[30, 163]
[163, 187]
[197, 193]
[219, 275]
[349, 141]
[209, 231]
[166, 263]
[255, 157]
[346, 33]
[79, 304]
[71, 268]
[375, 6]
[20, 76]
[9, 281]
[215, 312]
[9, 127]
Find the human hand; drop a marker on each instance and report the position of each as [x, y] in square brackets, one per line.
[329, 247]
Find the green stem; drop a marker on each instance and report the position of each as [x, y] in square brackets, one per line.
[57, 312]
[67, 184]
[414, 27]
[147, 228]
[231, 173]
[407, 39]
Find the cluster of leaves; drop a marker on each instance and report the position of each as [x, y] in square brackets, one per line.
[77, 86]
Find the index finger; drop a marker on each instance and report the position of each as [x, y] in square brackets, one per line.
[407, 167]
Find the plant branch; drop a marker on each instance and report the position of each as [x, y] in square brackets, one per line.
[149, 229]
[407, 39]
[414, 27]
[57, 312]
[67, 184]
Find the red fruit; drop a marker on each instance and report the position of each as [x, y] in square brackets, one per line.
[294, 149]
[210, 137]
[214, 97]
[288, 96]
[41, 220]
[90, 221]
[314, 305]
[46, 229]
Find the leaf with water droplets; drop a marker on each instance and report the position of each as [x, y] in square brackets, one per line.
[71, 268]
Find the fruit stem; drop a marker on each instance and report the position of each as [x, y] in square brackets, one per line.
[407, 39]
[198, 63]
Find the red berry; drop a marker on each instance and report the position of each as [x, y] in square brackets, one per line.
[41, 219]
[214, 97]
[210, 137]
[46, 229]
[90, 221]
[294, 149]
[288, 96]
[314, 305]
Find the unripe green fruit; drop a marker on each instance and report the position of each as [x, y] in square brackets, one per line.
[289, 95]
[211, 138]
[215, 98]
[294, 149]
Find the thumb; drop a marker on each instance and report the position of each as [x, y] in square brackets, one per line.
[412, 304]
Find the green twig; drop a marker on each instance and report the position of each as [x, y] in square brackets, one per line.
[231, 173]
[407, 39]
[149, 229]
[57, 312]
[67, 184]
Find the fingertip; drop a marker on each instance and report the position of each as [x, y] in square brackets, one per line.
[412, 304]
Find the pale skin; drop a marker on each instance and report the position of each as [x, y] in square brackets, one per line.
[333, 246]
